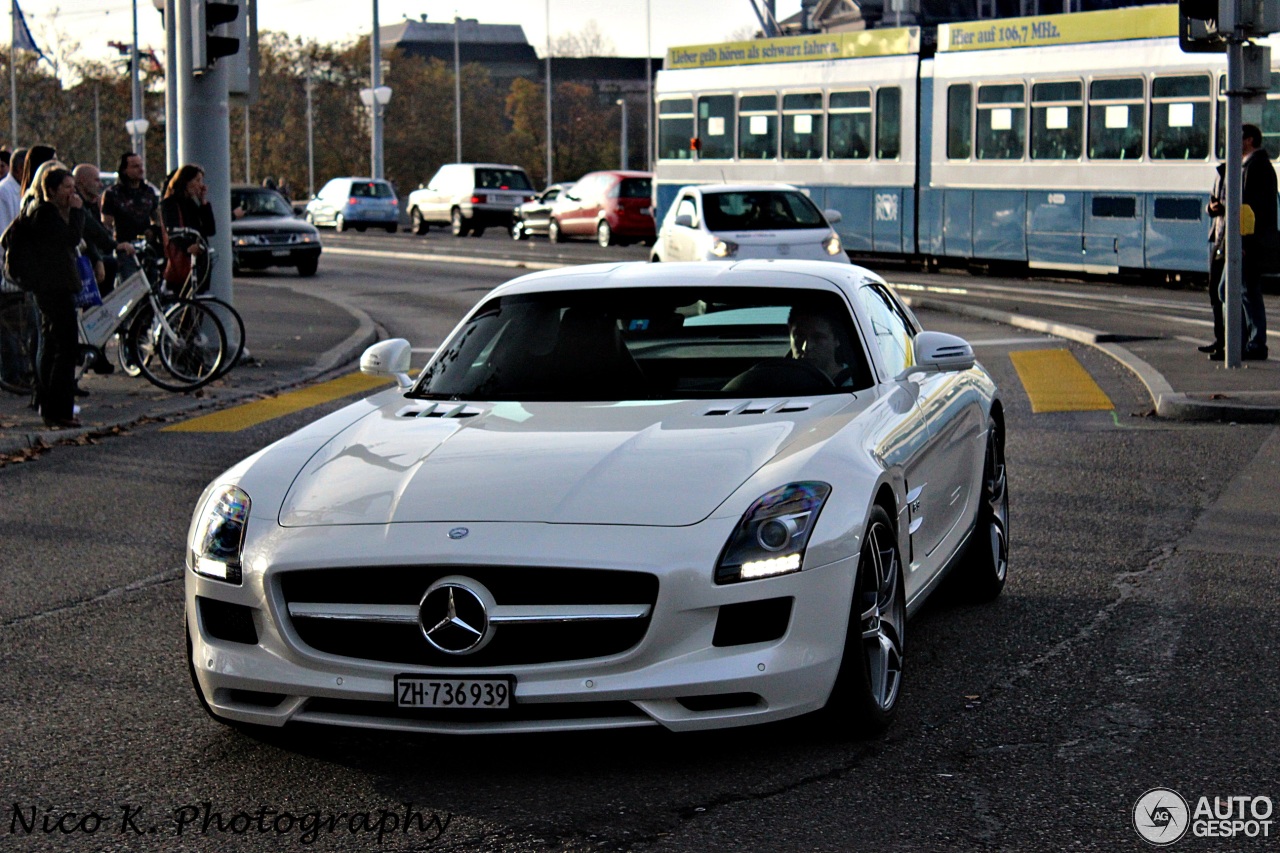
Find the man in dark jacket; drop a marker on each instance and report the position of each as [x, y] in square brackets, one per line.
[1258, 247]
[102, 246]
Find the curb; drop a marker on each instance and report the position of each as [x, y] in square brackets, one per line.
[1166, 402]
[343, 353]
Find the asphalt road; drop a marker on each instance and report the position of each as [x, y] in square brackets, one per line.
[1134, 648]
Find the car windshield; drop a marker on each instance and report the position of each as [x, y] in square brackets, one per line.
[260, 203]
[371, 189]
[502, 179]
[635, 188]
[760, 210]
[644, 343]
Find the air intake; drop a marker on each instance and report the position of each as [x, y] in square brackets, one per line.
[752, 407]
[441, 410]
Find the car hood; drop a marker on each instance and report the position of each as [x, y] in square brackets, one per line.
[251, 224]
[648, 463]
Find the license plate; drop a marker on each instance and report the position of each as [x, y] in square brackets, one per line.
[644, 211]
[425, 691]
[280, 253]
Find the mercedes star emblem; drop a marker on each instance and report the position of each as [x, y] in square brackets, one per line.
[454, 615]
[458, 533]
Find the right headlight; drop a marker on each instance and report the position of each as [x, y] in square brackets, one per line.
[832, 244]
[772, 535]
[724, 248]
[217, 540]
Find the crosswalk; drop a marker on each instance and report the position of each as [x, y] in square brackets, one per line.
[1054, 380]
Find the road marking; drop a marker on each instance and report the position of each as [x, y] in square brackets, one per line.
[260, 411]
[1006, 342]
[1056, 382]
[446, 259]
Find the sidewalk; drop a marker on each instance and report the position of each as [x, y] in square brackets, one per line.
[294, 333]
[1182, 383]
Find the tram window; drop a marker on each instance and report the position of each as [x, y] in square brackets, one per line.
[758, 127]
[849, 125]
[1057, 110]
[675, 128]
[1117, 116]
[715, 127]
[802, 126]
[889, 123]
[959, 121]
[1270, 124]
[1002, 122]
[1180, 117]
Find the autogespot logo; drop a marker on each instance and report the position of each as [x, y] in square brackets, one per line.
[1160, 816]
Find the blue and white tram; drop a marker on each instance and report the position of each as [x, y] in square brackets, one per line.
[1082, 142]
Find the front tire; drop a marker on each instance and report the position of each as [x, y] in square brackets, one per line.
[308, 268]
[416, 223]
[865, 697]
[553, 232]
[340, 223]
[517, 231]
[604, 235]
[986, 563]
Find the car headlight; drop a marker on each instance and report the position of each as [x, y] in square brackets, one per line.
[771, 538]
[724, 248]
[218, 538]
[248, 240]
[832, 244]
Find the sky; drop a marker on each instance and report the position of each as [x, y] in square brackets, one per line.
[94, 23]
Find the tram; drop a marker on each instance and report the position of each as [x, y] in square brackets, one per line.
[1083, 142]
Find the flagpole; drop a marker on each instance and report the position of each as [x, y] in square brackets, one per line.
[13, 74]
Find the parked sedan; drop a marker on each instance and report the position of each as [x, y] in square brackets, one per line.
[534, 216]
[270, 235]
[728, 222]
[689, 495]
[357, 203]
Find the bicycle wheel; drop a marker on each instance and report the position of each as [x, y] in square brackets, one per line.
[19, 342]
[181, 351]
[233, 324]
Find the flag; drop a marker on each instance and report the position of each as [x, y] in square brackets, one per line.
[22, 39]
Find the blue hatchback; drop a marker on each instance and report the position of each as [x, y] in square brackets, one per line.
[357, 203]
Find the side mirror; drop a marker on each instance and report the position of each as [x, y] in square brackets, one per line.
[833, 216]
[388, 358]
[938, 351]
[684, 220]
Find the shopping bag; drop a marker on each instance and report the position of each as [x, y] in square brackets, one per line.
[177, 265]
[88, 295]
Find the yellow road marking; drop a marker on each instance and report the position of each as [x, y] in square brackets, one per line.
[1056, 382]
[252, 414]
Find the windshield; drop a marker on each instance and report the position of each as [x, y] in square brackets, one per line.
[760, 210]
[502, 179]
[647, 343]
[260, 203]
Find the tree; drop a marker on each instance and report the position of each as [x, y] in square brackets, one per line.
[588, 41]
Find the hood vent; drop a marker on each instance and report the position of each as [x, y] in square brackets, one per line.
[754, 408]
[441, 410]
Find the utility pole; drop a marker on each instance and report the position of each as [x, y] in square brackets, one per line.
[457, 92]
[375, 109]
[311, 142]
[139, 139]
[548, 88]
[97, 125]
[171, 110]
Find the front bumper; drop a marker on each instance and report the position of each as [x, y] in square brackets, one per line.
[261, 257]
[279, 678]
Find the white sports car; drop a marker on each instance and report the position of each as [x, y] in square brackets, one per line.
[688, 495]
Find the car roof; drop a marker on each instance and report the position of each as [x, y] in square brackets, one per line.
[707, 189]
[822, 275]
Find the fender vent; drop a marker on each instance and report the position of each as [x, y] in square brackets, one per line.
[754, 408]
[441, 410]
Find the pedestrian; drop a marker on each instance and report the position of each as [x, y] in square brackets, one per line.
[131, 206]
[5, 156]
[57, 229]
[185, 205]
[37, 156]
[1258, 247]
[1217, 259]
[101, 245]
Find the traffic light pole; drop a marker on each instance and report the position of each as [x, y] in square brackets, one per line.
[204, 138]
[1232, 300]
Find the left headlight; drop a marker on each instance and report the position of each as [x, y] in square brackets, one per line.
[832, 244]
[771, 538]
[218, 538]
[724, 248]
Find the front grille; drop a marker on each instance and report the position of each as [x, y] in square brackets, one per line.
[513, 644]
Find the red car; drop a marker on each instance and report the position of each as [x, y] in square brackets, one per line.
[613, 207]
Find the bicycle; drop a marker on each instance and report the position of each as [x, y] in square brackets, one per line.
[177, 344]
[195, 287]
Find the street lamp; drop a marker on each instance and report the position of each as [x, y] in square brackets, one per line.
[623, 145]
[137, 128]
[376, 99]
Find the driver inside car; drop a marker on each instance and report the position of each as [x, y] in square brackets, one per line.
[815, 341]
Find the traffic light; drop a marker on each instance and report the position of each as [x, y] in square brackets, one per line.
[1198, 27]
[206, 45]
